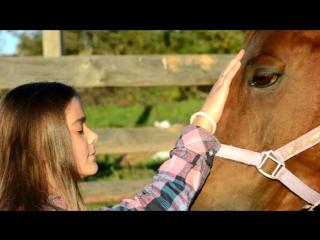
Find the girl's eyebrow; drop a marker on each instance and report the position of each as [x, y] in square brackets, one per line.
[80, 120]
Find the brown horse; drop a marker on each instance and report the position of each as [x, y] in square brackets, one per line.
[274, 100]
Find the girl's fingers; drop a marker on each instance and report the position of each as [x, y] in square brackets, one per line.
[231, 74]
[217, 97]
[230, 70]
[233, 62]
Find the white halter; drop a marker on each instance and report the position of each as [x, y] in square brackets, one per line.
[279, 156]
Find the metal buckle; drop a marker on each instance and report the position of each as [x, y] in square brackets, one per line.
[272, 176]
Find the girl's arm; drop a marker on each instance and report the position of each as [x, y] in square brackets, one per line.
[178, 179]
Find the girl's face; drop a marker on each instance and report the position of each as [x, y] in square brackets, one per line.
[83, 139]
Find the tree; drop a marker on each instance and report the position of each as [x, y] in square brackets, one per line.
[121, 42]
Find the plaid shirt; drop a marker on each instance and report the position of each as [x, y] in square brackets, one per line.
[180, 178]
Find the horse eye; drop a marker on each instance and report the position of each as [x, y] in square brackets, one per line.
[263, 79]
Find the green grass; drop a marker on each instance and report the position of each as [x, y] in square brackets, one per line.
[95, 206]
[141, 115]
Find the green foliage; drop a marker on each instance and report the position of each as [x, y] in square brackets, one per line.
[120, 42]
[30, 42]
[3, 92]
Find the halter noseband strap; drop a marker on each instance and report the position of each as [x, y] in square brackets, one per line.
[281, 173]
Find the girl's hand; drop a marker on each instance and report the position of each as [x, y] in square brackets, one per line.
[217, 97]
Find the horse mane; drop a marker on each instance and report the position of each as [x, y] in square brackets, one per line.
[248, 37]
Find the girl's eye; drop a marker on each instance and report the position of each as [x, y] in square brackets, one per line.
[81, 132]
[263, 79]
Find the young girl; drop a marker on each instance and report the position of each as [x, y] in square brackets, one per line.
[46, 148]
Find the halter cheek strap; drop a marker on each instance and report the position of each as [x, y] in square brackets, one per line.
[279, 156]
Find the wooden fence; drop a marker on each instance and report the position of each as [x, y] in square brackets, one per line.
[117, 71]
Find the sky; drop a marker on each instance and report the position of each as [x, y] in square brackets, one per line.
[8, 43]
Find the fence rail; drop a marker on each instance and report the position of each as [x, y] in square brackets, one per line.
[114, 70]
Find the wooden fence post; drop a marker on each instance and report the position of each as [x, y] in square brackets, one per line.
[52, 43]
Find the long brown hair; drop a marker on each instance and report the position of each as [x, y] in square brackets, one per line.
[36, 146]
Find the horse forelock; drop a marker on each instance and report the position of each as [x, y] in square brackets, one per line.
[248, 37]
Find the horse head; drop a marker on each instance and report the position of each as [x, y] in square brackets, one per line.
[274, 99]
